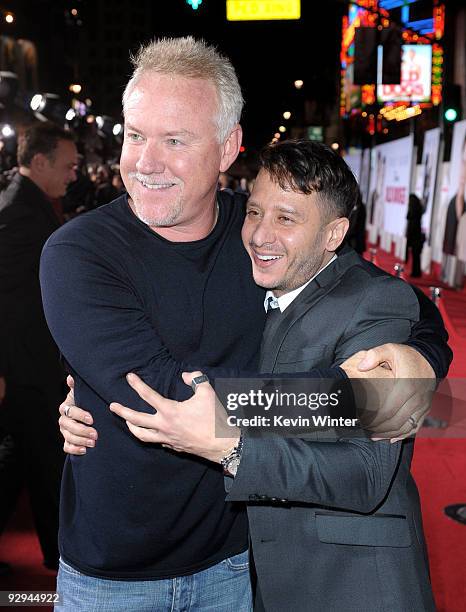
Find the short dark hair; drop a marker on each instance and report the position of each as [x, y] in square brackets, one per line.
[309, 167]
[41, 138]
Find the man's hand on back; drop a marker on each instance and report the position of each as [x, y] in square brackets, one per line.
[197, 426]
[75, 425]
[193, 426]
[407, 404]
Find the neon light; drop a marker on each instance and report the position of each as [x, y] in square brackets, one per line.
[424, 24]
[391, 4]
[368, 94]
[263, 10]
[439, 21]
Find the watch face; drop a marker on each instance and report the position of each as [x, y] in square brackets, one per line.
[232, 466]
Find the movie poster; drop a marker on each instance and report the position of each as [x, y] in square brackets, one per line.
[374, 201]
[395, 164]
[365, 172]
[430, 155]
[418, 180]
[416, 70]
[354, 162]
[440, 212]
[454, 236]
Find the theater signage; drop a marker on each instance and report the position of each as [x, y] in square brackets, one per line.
[263, 10]
[416, 74]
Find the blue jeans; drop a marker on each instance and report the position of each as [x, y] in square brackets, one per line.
[225, 587]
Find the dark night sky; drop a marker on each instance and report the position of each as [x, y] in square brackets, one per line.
[268, 56]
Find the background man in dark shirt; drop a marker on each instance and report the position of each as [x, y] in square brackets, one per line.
[32, 372]
[131, 286]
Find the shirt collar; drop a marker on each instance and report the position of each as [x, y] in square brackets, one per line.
[285, 300]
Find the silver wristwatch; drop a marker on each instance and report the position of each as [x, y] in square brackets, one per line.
[231, 461]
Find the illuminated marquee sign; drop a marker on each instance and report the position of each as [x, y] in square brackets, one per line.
[416, 69]
[437, 74]
[263, 10]
[362, 14]
[419, 33]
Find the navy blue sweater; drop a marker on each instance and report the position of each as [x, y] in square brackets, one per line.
[119, 298]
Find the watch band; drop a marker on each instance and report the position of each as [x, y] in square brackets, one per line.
[231, 461]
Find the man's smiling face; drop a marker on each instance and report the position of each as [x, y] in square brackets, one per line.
[171, 155]
[284, 236]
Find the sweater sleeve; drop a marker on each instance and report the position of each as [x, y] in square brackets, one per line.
[98, 321]
[429, 336]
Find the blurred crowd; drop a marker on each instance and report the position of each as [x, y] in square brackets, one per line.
[95, 184]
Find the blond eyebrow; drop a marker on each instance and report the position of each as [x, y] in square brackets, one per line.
[128, 126]
[181, 132]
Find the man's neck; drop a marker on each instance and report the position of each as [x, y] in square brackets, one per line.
[192, 230]
[25, 171]
[285, 298]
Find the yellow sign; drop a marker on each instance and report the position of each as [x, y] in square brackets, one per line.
[263, 10]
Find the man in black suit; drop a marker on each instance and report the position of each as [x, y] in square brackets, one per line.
[31, 370]
[335, 523]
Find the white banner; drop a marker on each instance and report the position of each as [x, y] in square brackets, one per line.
[430, 154]
[394, 184]
[418, 179]
[354, 162]
[374, 200]
[454, 239]
[365, 172]
[440, 211]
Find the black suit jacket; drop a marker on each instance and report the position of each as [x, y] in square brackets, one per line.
[30, 358]
[335, 525]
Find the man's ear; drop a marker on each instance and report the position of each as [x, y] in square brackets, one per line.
[39, 162]
[336, 231]
[230, 148]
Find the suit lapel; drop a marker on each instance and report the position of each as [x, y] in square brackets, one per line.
[275, 334]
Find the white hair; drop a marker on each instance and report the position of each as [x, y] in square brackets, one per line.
[195, 59]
